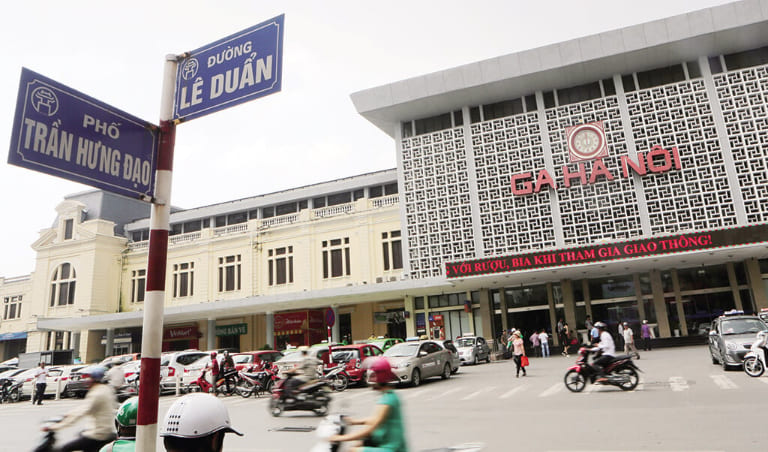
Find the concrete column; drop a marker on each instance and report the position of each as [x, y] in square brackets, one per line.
[269, 329]
[503, 307]
[734, 286]
[657, 289]
[756, 284]
[639, 296]
[211, 334]
[587, 298]
[552, 316]
[110, 342]
[486, 315]
[569, 304]
[410, 322]
[679, 304]
[335, 330]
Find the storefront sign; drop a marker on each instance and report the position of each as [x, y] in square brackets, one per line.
[232, 330]
[657, 160]
[13, 336]
[183, 332]
[656, 246]
[285, 321]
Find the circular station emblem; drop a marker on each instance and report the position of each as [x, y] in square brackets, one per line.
[586, 142]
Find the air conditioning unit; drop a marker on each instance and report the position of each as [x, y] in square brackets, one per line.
[379, 279]
[392, 278]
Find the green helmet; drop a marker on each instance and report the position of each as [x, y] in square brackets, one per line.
[127, 413]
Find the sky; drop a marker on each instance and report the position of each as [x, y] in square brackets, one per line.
[309, 132]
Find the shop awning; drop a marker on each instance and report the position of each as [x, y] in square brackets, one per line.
[13, 336]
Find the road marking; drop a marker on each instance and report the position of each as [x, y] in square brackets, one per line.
[472, 395]
[514, 391]
[450, 391]
[724, 382]
[414, 394]
[554, 389]
[678, 384]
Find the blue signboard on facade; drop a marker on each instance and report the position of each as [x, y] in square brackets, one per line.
[63, 132]
[233, 70]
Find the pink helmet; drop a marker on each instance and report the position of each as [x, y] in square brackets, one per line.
[382, 371]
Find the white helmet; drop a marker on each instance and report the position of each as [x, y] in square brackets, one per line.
[195, 416]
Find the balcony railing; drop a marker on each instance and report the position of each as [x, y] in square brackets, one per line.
[282, 220]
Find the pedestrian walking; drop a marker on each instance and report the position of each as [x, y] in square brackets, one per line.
[565, 339]
[518, 351]
[535, 343]
[40, 384]
[620, 337]
[544, 339]
[503, 340]
[629, 341]
[594, 335]
[646, 332]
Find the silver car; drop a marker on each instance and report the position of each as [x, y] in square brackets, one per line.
[731, 336]
[473, 349]
[414, 361]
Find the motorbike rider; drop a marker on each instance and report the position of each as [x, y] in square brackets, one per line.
[305, 372]
[125, 422]
[99, 407]
[607, 347]
[384, 430]
[228, 371]
[196, 423]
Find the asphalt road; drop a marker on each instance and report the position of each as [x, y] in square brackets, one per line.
[683, 403]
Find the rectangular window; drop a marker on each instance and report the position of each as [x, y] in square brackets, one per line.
[237, 218]
[68, 227]
[694, 71]
[628, 82]
[183, 280]
[138, 285]
[336, 258]
[748, 58]
[392, 250]
[579, 93]
[280, 265]
[192, 226]
[229, 273]
[433, 124]
[608, 87]
[530, 103]
[285, 209]
[12, 307]
[175, 229]
[660, 76]
[318, 202]
[339, 198]
[375, 192]
[502, 109]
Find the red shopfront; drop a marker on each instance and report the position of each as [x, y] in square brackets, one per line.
[299, 328]
[176, 338]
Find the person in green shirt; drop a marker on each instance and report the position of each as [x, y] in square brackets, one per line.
[384, 430]
[125, 422]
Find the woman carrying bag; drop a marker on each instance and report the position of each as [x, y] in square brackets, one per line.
[518, 353]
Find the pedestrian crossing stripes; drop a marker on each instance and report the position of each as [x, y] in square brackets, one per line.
[474, 394]
[724, 382]
[554, 389]
[678, 384]
[512, 392]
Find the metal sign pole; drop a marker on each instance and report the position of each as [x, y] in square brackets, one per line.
[159, 221]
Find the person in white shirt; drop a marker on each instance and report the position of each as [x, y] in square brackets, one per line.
[40, 383]
[99, 405]
[606, 346]
[544, 339]
[629, 341]
[116, 375]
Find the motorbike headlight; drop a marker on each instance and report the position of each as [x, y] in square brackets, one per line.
[404, 365]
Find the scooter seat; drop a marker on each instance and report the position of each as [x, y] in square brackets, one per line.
[621, 357]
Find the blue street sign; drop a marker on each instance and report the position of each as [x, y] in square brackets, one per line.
[63, 132]
[233, 70]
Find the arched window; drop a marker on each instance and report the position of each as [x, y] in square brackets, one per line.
[63, 286]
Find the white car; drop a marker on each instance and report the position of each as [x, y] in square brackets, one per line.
[173, 365]
[55, 373]
[473, 349]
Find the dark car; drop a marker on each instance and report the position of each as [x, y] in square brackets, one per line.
[78, 381]
[731, 336]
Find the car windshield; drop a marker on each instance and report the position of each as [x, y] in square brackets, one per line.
[291, 356]
[742, 326]
[343, 356]
[11, 373]
[242, 359]
[406, 349]
[466, 342]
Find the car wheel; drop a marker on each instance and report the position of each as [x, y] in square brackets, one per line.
[416, 378]
[714, 360]
[447, 372]
[15, 396]
[753, 367]
[725, 365]
[475, 361]
[574, 381]
[488, 358]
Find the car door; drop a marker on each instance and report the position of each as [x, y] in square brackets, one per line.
[437, 359]
[52, 379]
[482, 348]
[714, 340]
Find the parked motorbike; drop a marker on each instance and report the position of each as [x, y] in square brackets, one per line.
[252, 382]
[10, 390]
[203, 385]
[311, 396]
[754, 360]
[620, 372]
[337, 377]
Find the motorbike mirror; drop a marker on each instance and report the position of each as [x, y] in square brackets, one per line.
[713, 333]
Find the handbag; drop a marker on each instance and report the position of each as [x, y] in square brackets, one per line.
[524, 361]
